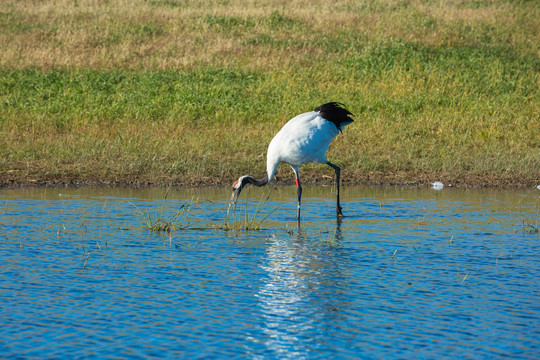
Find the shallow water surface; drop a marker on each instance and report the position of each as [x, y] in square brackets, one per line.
[408, 273]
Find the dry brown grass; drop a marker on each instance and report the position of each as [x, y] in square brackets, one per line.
[172, 34]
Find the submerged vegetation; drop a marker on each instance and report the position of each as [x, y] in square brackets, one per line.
[161, 221]
[252, 220]
[165, 219]
[191, 92]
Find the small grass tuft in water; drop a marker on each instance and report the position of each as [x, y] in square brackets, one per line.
[288, 229]
[248, 223]
[162, 223]
[332, 241]
[241, 226]
[528, 227]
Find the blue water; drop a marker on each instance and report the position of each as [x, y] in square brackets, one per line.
[409, 273]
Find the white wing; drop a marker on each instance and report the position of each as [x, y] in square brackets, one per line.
[305, 138]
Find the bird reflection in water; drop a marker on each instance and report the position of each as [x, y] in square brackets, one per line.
[304, 292]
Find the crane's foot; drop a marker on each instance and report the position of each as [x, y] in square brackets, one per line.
[339, 213]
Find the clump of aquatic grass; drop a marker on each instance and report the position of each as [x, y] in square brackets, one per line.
[251, 221]
[333, 240]
[160, 222]
[527, 226]
[288, 229]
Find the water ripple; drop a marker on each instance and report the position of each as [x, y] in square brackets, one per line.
[407, 274]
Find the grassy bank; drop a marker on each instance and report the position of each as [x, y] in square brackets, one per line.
[158, 92]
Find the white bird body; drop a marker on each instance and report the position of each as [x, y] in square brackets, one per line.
[303, 139]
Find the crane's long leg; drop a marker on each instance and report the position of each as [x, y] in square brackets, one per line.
[338, 170]
[298, 190]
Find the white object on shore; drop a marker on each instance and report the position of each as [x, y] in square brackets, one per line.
[437, 185]
[538, 187]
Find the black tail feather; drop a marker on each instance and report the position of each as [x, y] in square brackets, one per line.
[335, 112]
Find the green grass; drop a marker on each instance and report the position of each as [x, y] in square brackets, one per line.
[529, 227]
[164, 222]
[191, 93]
[252, 220]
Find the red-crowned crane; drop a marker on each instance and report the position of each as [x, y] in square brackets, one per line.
[303, 139]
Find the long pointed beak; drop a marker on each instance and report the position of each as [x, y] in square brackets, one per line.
[234, 199]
